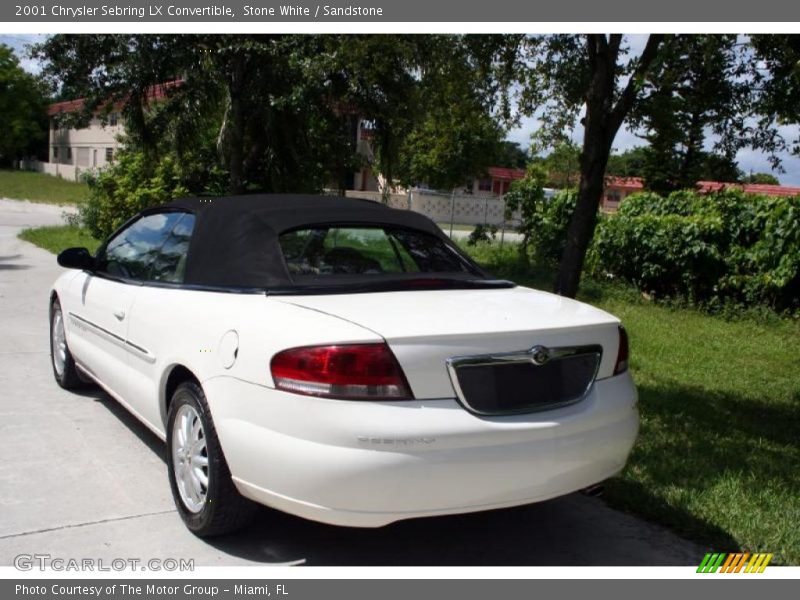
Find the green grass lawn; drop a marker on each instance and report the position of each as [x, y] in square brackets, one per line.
[58, 237]
[718, 454]
[38, 187]
[718, 458]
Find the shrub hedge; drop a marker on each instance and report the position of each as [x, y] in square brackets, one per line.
[716, 249]
[130, 184]
[544, 221]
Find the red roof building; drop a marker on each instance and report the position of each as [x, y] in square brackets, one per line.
[154, 93]
[75, 150]
[707, 187]
[619, 188]
[497, 181]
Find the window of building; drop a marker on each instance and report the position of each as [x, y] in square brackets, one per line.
[485, 185]
[113, 118]
[109, 154]
[83, 157]
[69, 153]
[55, 152]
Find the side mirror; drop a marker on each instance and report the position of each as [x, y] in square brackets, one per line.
[76, 258]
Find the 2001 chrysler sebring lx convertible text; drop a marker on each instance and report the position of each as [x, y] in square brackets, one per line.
[339, 360]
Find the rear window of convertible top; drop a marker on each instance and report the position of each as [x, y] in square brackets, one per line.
[322, 252]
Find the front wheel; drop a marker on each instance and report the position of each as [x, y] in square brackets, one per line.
[64, 369]
[204, 494]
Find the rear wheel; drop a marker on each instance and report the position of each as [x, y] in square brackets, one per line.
[64, 369]
[204, 494]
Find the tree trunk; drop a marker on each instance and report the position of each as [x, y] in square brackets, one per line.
[603, 119]
[598, 134]
[690, 169]
[584, 218]
[236, 126]
[235, 148]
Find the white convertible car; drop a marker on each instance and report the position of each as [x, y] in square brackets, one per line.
[339, 360]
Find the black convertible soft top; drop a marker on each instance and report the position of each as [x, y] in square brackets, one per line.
[235, 240]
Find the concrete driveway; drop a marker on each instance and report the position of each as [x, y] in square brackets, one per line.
[80, 478]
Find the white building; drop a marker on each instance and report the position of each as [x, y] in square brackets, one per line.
[73, 151]
[88, 148]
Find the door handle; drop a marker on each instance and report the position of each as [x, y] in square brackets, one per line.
[120, 314]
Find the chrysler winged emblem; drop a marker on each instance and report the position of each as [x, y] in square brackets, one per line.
[539, 355]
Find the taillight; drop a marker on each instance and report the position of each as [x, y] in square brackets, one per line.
[622, 354]
[347, 372]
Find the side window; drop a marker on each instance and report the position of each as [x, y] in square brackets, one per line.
[132, 252]
[170, 264]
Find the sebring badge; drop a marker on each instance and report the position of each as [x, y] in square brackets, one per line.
[539, 355]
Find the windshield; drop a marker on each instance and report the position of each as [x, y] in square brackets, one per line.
[330, 253]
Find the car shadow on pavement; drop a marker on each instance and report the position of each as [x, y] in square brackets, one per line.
[551, 533]
[11, 267]
[147, 437]
[573, 530]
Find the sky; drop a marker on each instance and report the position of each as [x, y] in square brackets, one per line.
[18, 43]
[749, 160]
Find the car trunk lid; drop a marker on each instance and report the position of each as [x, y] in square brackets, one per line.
[427, 328]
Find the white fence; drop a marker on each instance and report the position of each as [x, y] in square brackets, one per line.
[443, 208]
[460, 209]
[69, 172]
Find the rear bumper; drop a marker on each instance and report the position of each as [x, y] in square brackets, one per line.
[368, 464]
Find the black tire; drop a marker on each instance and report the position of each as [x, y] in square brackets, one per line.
[69, 378]
[224, 509]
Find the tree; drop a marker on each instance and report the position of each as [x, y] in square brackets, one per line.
[701, 84]
[248, 106]
[777, 75]
[512, 155]
[717, 167]
[563, 74]
[761, 178]
[22, 103]
[441, 126]
[675, 90]
[448, 147]
[280, 112]
[561, 164]
[629, 163]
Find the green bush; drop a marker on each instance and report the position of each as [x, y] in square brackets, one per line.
[544, 221]
[666, 255]
[650, 203]
[766, 269]
[132, 183]
[482, 233]
[715, 249]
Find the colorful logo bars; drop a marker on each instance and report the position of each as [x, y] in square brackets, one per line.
[734, 562]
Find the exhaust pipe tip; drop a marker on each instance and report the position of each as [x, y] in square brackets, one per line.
[594, 491]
